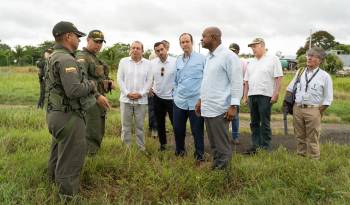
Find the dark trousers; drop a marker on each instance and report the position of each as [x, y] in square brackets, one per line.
[220, 140]
[152, 121]
[161, 108]
[197, 129]
[260, 115]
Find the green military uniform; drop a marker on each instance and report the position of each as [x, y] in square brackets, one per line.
[69, 95]
[96, 115]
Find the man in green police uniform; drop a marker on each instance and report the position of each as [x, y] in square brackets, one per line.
[69, 95]
[98, 72]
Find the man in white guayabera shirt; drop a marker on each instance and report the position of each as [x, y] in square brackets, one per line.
[134, 79]
[163, 72]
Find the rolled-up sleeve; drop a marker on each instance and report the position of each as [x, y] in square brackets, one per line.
[328, 91]
[235, 75]
[121, 78]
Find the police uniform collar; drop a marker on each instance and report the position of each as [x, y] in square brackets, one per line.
[61, 47]
[87, 50]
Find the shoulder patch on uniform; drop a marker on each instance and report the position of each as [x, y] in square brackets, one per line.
[81, 60]
[70, 70]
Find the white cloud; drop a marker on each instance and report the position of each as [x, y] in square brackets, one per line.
[284, 24]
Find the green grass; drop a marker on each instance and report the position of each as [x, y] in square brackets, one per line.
[121, 176]
[117, 175]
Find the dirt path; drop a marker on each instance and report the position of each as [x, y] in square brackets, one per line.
[331, 132]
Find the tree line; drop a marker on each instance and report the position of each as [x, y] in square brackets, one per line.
[29, 55]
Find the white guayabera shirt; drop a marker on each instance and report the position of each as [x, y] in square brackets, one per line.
[134, 77]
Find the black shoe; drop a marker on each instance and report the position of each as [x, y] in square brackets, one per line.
[250, 151]
[220, 166]
[180, 154]
[162, 148]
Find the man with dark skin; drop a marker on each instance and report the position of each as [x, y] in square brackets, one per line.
[221, 92]
[70, 95]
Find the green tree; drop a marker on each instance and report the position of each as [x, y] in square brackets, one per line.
[331, 63]
[18, 54]
[5, 54]
[112, 55]
[321, 39]
[343, 47]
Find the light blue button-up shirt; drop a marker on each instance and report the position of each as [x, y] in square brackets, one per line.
[189, 75]
[222, 83]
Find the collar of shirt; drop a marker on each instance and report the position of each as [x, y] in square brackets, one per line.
[60, 46]
[165, 62]
[186, 58]
[216, 51]
[87, 50]
[131, 60]
[308, 72]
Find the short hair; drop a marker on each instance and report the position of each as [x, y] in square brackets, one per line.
[319, 52]
[59, 39]
[158, 44]
[139, 42]
[186, 34]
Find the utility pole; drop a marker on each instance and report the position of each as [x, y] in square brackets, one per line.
[199, 47]
[310, 39]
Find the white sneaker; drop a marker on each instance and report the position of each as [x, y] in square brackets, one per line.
[154, 133]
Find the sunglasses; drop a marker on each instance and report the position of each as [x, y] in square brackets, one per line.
[162, 71]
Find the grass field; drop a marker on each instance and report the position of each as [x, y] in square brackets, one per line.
[120, 176]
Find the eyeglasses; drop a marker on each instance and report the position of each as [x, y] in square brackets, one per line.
[162, 71]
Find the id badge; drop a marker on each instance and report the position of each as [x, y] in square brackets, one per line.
[306, 97]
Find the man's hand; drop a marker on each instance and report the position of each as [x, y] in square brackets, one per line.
[245, 100]
[197, 108]
[102, 101]
[322, 109]
[274, 98]
[134, 96]
[151, 93]
[230, 113]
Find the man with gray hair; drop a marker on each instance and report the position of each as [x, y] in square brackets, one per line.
[313, 94]
[262, 85]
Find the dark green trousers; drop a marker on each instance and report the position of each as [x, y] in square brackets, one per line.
[95, 127]
[68, 150]
[260, 115]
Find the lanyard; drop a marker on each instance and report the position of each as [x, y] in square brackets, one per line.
[308, 81]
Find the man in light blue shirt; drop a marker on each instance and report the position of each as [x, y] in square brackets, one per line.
[221, 91]
[189, 74]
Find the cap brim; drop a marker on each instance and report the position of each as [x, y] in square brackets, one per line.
[80, 34]
[99, 39]
[250, 45]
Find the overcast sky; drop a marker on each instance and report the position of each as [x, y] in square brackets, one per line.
[284, 24]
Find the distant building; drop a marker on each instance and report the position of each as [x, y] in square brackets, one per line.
[288, 62]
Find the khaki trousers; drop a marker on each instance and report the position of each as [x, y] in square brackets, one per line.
[307, 127]
[133, 114]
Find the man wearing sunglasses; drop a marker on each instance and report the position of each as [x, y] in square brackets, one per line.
[98, 72]
[163, 71]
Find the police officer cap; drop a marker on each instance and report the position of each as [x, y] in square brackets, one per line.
[63, 27]
[97, 35]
